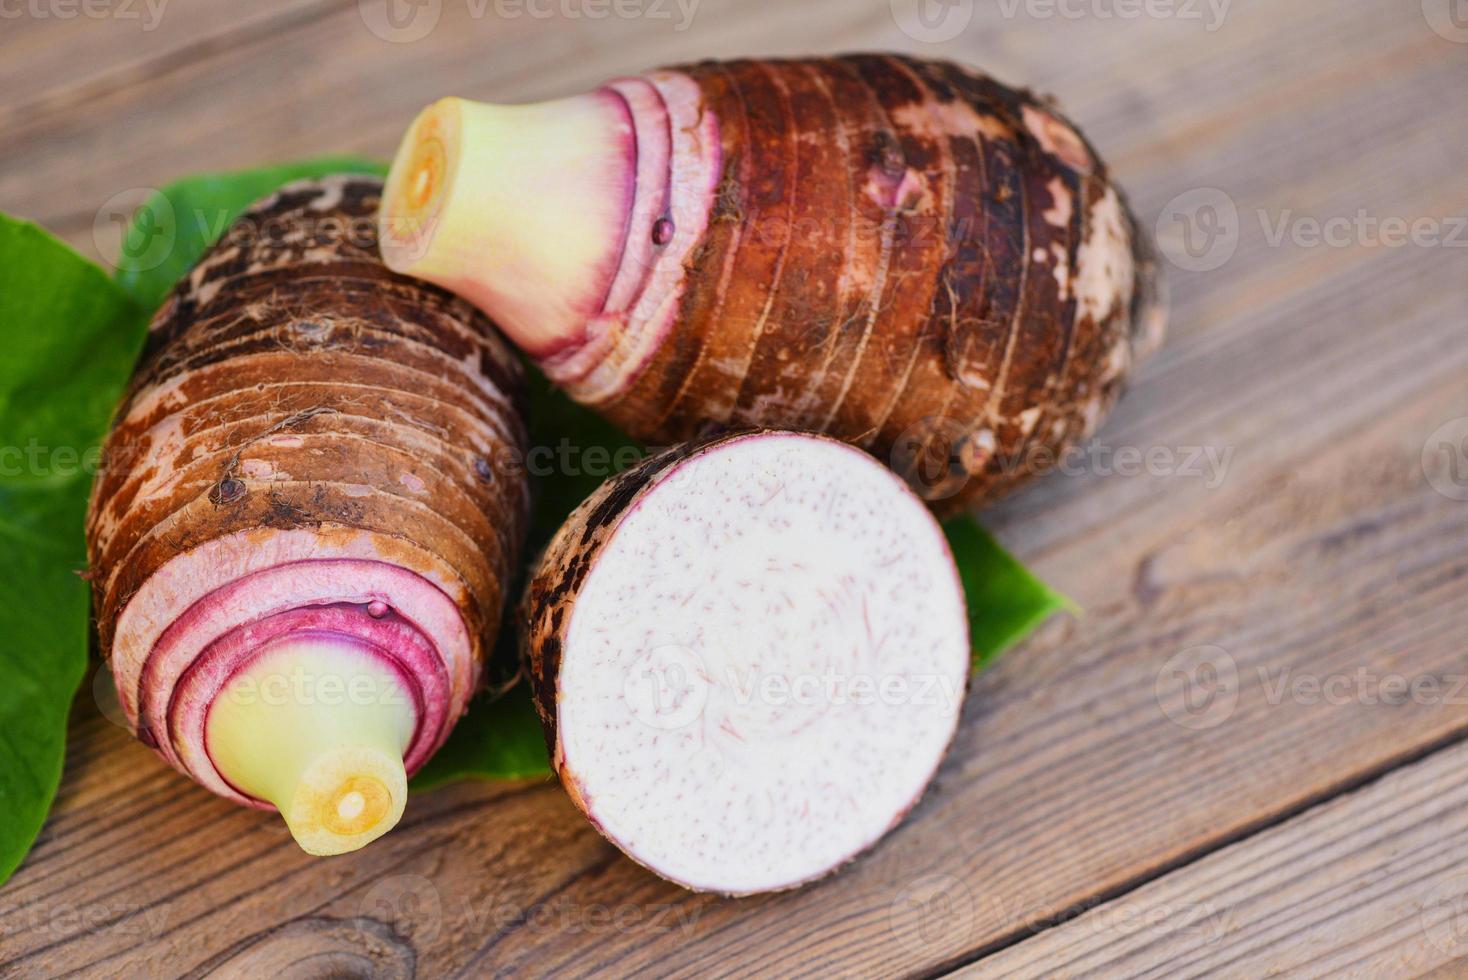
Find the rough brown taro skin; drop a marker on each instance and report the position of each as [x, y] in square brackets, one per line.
[907, 255]
[291, 382]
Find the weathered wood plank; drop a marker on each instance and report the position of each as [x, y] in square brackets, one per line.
[1372, 884]
[1323, 548]
[1067, 780]
[316, 79]
[60, 52]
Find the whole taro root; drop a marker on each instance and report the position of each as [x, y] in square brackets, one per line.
[308, 515]
[904, 254]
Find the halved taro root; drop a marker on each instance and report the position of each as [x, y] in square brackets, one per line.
[749, 654]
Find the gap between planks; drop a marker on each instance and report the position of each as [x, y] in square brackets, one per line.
[1455, 741]
[1365, 884]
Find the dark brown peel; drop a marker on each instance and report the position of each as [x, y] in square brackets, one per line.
[902, 253]
[314, 478]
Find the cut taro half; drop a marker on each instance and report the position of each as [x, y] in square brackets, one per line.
[749, 654]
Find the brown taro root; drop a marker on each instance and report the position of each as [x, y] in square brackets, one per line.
[904, 254]
[749, 654]
[309, 509]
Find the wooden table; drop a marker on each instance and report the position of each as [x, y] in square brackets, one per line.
[1247, 756]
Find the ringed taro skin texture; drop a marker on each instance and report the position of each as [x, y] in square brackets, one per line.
[749, 653]
[310, 507]
[904, 254]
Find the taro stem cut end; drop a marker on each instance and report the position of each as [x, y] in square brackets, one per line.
[522, 210]
[317, 725]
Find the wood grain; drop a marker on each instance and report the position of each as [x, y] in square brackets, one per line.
[1112, 751]
[1372, 884]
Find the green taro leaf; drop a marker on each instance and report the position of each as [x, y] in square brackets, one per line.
[572, 451]
[499, 738]
[1006, 603]
[172, 227]
[70, 340]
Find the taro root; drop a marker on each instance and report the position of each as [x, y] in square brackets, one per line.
[904, 254]
[310, 505]
[749, 654]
